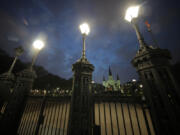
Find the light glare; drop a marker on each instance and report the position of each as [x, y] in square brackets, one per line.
[38, 44]
[132, 12]
[84, 28]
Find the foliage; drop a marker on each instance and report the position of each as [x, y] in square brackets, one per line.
[44, 80]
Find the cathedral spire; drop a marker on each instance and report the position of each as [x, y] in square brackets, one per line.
[110, 73]
[117, 77]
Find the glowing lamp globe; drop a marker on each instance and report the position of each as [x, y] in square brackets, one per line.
[132, 12]
[84, 28]
[38, 44]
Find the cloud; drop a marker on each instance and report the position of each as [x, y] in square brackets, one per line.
[12, 33]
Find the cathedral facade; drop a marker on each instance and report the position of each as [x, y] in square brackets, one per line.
[110, 84]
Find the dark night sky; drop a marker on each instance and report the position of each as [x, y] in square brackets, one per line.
[112, 40]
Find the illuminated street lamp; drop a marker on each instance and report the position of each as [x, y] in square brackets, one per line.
[38, 45]
[131, 16]
[84, 28]
[131, 13]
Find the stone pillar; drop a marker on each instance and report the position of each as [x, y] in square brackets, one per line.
[160, 88]
[6, 86]
[80, 119]
[7, 79]
[11, 118]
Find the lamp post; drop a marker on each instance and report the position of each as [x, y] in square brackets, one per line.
[7, 79]
[8, 75]
[131, 16]
[84, 28]
[81, 123]
[18, 52]
[16, 104]
[38, 45]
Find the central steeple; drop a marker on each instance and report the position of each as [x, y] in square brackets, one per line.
[110, 73]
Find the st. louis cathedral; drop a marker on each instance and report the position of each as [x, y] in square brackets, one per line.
[149, 110]
[111, 84]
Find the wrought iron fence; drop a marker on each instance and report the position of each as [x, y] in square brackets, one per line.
[55, 116]
[114, 114]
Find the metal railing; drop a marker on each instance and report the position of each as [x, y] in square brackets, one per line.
[115, 113]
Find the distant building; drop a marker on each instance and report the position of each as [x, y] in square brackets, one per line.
[111, 84]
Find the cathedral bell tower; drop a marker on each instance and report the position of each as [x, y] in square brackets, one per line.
[80, 119]
[160, 88]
